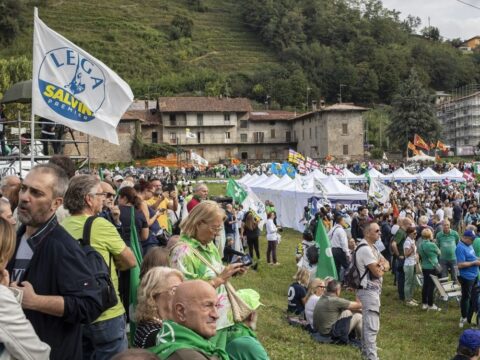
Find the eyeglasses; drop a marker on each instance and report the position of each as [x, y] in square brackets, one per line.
[377, 231]
[98, 194]
[109, 195]
[320, 287]
[214, 228]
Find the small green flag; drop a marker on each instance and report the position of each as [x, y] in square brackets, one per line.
[326, 264]
[134, 272]
[235, 191]
[367, 175]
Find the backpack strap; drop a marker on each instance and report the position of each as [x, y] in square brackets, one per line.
[87, 231]
[355, 262]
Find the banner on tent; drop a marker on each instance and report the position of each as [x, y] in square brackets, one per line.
[315, 203]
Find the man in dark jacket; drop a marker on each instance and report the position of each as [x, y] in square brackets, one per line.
[59, 290]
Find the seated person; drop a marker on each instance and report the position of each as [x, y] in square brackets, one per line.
[194, 322]
[297, 292]
[333, 315]
[155, 296]
[468, 345]
[242, 342]
[316, 289]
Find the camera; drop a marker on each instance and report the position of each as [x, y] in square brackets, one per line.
[245, 260]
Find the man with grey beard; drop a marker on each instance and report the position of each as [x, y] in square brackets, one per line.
[49, 267]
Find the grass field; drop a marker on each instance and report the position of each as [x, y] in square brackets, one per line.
[405, 333]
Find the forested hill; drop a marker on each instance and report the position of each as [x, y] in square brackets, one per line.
[275, 49]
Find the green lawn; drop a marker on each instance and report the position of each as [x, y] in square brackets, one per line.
[405, 333]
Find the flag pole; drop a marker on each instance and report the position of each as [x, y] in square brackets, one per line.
[32, 115]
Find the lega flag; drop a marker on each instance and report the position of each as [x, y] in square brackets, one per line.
[378, 191]
[73, 88]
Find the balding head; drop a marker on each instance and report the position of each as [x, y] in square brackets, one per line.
[195, 307]
[201, 190]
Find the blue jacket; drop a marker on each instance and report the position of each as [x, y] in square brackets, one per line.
[59, 267]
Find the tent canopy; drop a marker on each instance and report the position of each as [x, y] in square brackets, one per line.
[429, 175]
[454, 175]
[401, 175]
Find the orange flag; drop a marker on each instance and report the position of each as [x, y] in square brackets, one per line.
[441, 146]
[411, 147]
[418, 142]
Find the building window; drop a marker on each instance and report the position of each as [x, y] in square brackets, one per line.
[303, 134]
[345, 149]
[199, 119]
[258, 137]
[173, 120]
[200, 136]
[344, 129]
[243, 124]
[316, 132]
[173, 138]
[259, 154]
[272, 133]
[243, 138]
[288, 136]
[310, 133]
[295, 135]
[154, 137]
[227, 134]
[272, 123]
[226, 117]
[244, 155]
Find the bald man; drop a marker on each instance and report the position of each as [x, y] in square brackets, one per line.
[194, 321]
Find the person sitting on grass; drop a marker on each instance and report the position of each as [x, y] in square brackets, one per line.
[468, 345]
[316, 289]
[297, 292]
[242, 342]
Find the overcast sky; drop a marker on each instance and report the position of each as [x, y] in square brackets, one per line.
[454, 19]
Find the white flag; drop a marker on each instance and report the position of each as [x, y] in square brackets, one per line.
[378, 191]
[252, 202]
[198, 159]
[189, 134]
[71, 87]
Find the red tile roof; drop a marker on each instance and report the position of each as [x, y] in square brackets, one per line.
[271, 115]
[203, 104]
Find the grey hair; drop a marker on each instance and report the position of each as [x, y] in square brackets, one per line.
[60, 183]
[4, 181]
[199, 186]
[80, 186]
[3, 201]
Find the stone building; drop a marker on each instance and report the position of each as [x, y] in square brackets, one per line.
[336, 130]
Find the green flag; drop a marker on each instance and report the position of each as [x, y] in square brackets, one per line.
[326, 264]
[134, 272]
[235, 191]
[367, 175]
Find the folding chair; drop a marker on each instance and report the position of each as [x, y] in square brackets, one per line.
[445, 290]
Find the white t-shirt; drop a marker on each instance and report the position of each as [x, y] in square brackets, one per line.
[440, 213]
[365, 256]
[409, 261]
[309, 307]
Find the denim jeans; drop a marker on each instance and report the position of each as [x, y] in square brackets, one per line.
[467, 286]
[400, 278]
[449, 266]
[103, 339]
[409, 285]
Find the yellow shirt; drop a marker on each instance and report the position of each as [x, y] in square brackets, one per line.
[163, 218]
[106, 240]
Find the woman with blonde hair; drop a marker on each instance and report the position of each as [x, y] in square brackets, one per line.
[16, 332]
[297, 292]
[197, 257]
[155, 295]
[316, 288]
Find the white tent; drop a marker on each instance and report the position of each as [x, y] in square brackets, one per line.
[421, 157]
[266, 183]
[401, 175]
[316, 174]
[347, 175]
[454, 175]
[260, 179]
[429, 175]
[244, 178]
[374, 173]
[339, 191]
[263, 188]
[250, 180]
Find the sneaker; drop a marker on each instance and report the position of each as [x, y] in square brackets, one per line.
[415, 301]
[462, 322]
[411, 303]
[424, 306]
[277, 263]
[434, 308]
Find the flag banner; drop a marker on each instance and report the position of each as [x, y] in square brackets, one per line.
[419, 142]
[134, 272]
[235, 191]
[441, 146]
[276, 169]
[378, 191]
[292, 156]
[468, 175]
[308, 163]
[198, 159]
[367, 175]
[315, 165]
[189, 135]
[410, 146]
[288, 169]
[253, 203]
[326, 264]
[384, 157]
[302, 169]
[318, 202]
[71, 87]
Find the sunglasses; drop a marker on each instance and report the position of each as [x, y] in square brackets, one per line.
[109, 195]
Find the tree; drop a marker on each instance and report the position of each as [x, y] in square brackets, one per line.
[181, 27]
[412, 113]
[431, 33]
[11, 20]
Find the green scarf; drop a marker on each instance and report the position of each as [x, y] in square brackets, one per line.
[239, 330]
[174, 337]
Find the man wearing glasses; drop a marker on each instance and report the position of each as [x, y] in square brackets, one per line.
[371, 266]
[109, 211]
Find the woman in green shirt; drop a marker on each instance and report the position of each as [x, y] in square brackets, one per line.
[429, 253]
[198, 231]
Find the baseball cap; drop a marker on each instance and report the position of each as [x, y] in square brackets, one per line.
[117, 178]
[250, 297]
[469, 233]
[470, 338]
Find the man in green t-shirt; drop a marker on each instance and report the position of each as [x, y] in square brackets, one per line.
[331, 308]
[447, 240]
[242, 342]
[106, 336]
[397, 249]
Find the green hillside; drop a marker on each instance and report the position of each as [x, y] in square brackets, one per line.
[132, 37]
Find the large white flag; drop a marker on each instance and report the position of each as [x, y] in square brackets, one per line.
[71, 87]
[198, 159]
[378, 191]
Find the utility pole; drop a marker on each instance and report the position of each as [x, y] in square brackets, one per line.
[266, 101]
[308, 90]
